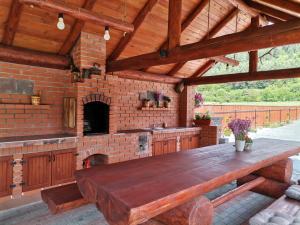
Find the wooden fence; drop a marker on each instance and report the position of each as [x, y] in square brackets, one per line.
[261, 116]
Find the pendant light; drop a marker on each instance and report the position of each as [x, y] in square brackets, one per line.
[60, 23]
[106, 35]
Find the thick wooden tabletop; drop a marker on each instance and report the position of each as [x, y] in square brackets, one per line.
[134, 191]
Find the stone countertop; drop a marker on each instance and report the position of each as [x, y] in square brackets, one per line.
[22, 141]
[161, 130]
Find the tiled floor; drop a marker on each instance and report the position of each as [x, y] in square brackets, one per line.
[234, 212]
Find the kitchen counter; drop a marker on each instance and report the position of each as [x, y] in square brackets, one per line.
[22, 141]
[162, 130]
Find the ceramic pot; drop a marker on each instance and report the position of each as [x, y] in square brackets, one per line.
[146, 103]
[248, 146]
[167, 104]
[202, 122]
[239, 145]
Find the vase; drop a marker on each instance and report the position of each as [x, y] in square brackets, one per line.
[239, 145]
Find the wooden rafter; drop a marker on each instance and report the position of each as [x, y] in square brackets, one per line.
[210, 34]
[290, 7]
[270, 11]
[12, 22]
[136, 23]
[269, 36]
[80, 13]
[203, 69]
[33, 58]
[240, 4]
[174, 23]
[75, 30]
[253, 55]
[140, 75]
[239, 77]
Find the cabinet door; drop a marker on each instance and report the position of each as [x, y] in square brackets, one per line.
[194, 142]
[170, 146]
[36, 170]
[63, 166]
[184, 143]
[158, 148]
[6, 175]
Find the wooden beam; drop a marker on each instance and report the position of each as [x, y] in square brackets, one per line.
[241, 5]
[136, 23]
[190, 18]
[12, 22]
[290, 7]
[145, 76]
[174, 23]
[270, 11]
[75, 30]
[272, 19]
[203, 69]
[237, 191]
[265, 37]
[32, 58]
[211, 34]
[253, 55]
[240, 77]
[80, 13]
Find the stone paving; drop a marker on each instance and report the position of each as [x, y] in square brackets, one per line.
[234, 212]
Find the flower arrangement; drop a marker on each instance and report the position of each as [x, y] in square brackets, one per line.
[202, 119]
[240, 127]
[240, 130]
[249, 143]
[199, 99]
[158, 97]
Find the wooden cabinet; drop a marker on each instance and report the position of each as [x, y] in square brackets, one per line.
[6, 175]
[36, 170]
[164, 147]
[189, 142]
[48, 168]
[63, 166]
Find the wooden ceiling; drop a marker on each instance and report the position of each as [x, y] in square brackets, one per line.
[36, 28]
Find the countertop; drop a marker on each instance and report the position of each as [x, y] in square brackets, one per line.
[161, 130]
[21, 141]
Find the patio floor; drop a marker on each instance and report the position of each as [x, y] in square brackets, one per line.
[234, 212]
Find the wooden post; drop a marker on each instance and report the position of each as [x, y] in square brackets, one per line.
[253, 55]
[174, 25]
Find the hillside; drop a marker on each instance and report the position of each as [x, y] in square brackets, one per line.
[258, 91]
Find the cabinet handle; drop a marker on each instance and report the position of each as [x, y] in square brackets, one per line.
[50, 158]
[53, 158]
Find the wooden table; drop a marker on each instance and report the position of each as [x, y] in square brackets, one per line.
[132, 192]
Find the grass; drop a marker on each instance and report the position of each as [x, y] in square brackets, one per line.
[295, 103]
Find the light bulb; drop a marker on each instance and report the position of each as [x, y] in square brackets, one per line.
[106, 34]
[60, 23]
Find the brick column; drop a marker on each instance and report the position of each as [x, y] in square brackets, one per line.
[187, 105]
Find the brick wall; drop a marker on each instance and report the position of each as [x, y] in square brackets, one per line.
[17, 116]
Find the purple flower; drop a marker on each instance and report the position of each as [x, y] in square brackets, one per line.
[199, 99]
[157, 96]
[239, 126]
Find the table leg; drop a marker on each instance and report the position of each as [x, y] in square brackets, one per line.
[199, 211]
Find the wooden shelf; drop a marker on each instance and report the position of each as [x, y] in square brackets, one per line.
[23, 106]
[154, 109]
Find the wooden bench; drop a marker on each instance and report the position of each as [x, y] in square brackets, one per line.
[63, 198]
[284, 205]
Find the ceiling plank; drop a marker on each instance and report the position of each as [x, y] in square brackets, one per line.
[270, 11]
[174, 23]
[136, 23]
[240, 77]
[80, 13]
[33, 58]
[269, 36]
[12, 22]
[290, 7]
[212, 33]
[203, 69]
[75, 30]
